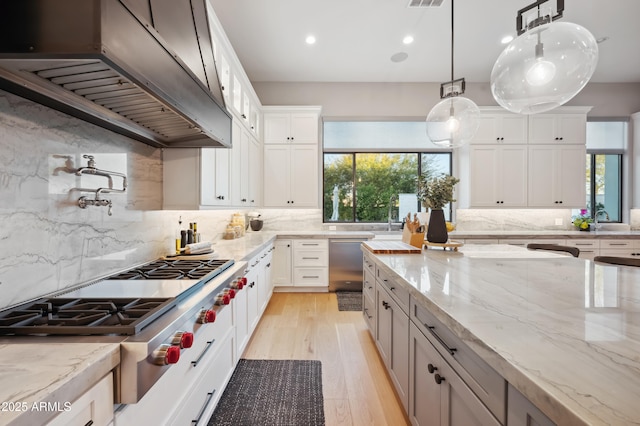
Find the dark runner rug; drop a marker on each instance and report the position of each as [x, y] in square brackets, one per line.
[272, 392]
[349, 300]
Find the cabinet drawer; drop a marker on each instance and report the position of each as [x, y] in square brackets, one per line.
[199, 404]
[617, 244]
[398, 292]
[369, 285]
[311, 277]
[94, 407]
[310, 257]
[311, 244]
[368, 265]
[582, 244]
[485, 382]
[369, 313]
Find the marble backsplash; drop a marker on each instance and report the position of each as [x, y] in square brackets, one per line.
[48, 242]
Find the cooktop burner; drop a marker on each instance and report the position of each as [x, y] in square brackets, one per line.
[69, 316]
[173, 269]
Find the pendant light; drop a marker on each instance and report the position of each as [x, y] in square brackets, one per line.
[455, 119]
[546, 65]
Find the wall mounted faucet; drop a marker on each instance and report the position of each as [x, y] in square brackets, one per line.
[91, 169]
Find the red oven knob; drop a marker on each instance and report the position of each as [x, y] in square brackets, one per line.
[244, 280]
[207, 316]
[166, 354]
[237, 284]
[223, 299]
[231, 292]
[182, 339]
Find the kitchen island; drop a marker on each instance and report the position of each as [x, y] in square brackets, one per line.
[562, 331]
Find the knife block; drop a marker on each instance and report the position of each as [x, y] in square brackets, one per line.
[415, 239]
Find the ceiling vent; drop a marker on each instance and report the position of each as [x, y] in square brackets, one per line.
[425, 3]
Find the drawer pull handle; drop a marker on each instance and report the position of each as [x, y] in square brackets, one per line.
[310, 276]
[618, 244]
[392, 288]
[452, 351]
[204, 406]
[431, 368]
[386, 305]
[313, 258]
[366, 312]
[439, 379]
[310, 244]
[89, 423]
[204, 351]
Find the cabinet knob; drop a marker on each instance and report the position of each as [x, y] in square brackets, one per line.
[220, 197]
[386, 305]
[439, 379]
[244, 200]
[431, 368]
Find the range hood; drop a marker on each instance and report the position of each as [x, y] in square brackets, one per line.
[103, 62]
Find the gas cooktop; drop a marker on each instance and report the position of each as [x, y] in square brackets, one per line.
[122, 304]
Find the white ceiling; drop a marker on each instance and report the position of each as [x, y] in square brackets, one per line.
[357, 38]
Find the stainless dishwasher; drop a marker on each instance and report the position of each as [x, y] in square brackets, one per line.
[345, 264]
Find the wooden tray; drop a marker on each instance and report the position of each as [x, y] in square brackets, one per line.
[390, 247]
[453, 245]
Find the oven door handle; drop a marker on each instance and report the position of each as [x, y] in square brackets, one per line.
[204, 351]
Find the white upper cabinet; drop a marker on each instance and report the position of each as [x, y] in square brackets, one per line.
[300, 127]
[557, 176]
[556, 128]
[501, 127]
[498, 176]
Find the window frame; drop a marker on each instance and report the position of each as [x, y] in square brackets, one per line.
[353, 174]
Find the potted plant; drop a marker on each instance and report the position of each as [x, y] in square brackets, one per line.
[434, 193]
[582, 221]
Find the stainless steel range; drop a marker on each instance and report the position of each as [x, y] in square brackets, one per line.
[154, 311]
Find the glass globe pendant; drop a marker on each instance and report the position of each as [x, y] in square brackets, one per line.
[453, 122]
[544, 67]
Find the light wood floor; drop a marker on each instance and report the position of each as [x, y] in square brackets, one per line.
[357, 390]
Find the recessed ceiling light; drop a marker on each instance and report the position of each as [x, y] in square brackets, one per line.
[399, 57]
[310, 39]
[506, 39]
[408, 39]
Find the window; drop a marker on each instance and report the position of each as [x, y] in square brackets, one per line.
[365, 183]
[606, 142]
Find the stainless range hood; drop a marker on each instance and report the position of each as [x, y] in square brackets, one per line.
[101, 61]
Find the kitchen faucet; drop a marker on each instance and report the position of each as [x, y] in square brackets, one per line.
[595, 217]
[392, 201]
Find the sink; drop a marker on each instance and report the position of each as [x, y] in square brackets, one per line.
[387, 235]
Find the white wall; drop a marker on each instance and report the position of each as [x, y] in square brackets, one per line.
[413, 100]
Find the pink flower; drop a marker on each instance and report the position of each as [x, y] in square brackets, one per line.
[583, 212]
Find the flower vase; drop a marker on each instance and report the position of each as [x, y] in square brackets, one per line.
[437, 229]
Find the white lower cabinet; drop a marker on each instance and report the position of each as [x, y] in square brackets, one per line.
[94, 407]
[198, 406]
[301, 265]
[281, 263]
[369, 296]
[392, 334]
[438, 395]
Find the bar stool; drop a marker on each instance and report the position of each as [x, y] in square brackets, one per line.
[613, 260]
[573, 251]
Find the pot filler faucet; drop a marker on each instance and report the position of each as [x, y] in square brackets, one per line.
[91, 169]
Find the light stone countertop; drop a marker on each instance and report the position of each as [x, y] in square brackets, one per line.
[56, 373]
[564, 331]
[532, 235]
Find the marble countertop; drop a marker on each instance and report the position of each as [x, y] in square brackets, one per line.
[564, 331]
[57, 373]
[545, 234]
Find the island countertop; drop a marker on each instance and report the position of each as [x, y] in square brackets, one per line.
[563, 331]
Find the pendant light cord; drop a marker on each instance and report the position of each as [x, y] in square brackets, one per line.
[452, 1]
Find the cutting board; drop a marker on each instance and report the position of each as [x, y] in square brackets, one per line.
[389, 247]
